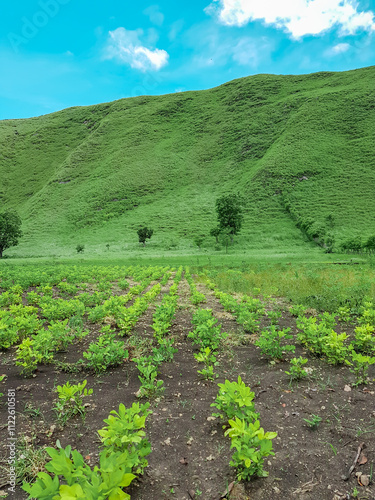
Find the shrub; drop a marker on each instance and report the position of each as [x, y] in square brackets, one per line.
[269, 342]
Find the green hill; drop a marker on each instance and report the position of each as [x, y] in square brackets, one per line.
[298, 148]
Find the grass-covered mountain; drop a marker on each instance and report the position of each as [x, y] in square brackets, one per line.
[298, 148]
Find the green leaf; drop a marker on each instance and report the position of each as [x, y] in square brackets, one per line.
[71, 492]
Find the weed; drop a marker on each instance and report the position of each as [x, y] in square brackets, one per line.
[313, 422]
[2, 377]
[31, 459]
[333, 448]
[31, 411]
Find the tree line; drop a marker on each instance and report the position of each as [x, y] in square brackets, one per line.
[358, 245]
[229, 218]
[229, 211]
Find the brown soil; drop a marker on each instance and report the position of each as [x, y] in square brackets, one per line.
[190, 455]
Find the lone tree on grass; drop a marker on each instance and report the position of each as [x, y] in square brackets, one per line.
[225, 238]
[229, 214]
[10, 230]
[144, 233]
[215, 232]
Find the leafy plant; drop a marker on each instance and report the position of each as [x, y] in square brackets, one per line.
[150, 386]
[312, 333]
[123, 284]
[297, 310]
[328, 320]
[269, 342]
[207, 357]
[53, 309]
[163, 316]
[104, 353]
[207, 332]
[344, 314]
[124, 432]
[196, 296]
[70, 401]
[355, 492]
[364, 339]
[297, 371]
[274, 316]
[235, 399]
[252, 446]
[368, 314]
[61, 333]
[334, 348]
[248, 319]
[360, 365]
[8, 330]
[165, 349]
[80, 482]
[27, 357]
[321, 339]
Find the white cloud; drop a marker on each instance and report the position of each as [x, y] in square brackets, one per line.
[298, 17]
[340, 48]
[125, 46]
[176, 29]
[247, 51]
[213, 48]
[154, 14]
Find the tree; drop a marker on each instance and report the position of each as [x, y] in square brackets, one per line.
[225, 238]
[215, 232]
[144, 233]
[229, 213]
[370, 244]
[10, 230]
[198, 240]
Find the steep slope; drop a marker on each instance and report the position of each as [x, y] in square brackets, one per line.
[296, 147]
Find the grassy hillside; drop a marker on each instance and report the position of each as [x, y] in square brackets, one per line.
[295, 147]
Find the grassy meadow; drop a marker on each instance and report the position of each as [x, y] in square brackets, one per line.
[297, 148]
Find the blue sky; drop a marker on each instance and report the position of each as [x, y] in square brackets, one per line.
[60, 53]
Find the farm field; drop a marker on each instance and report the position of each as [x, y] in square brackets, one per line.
[166, 337]
[297, 148]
